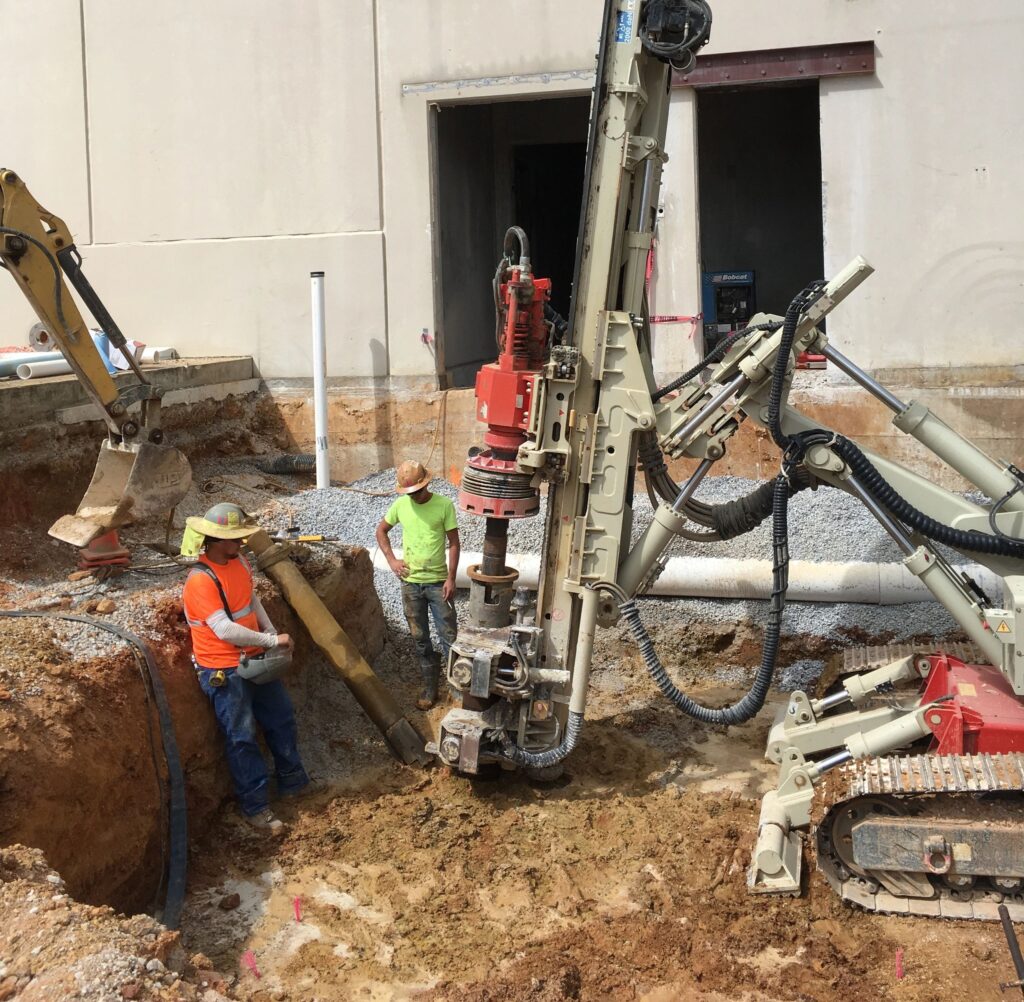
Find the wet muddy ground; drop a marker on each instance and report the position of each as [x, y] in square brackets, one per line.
[623, 880]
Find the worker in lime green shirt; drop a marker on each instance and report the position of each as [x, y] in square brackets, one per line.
[428, 578]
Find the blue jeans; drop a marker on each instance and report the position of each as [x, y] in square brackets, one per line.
[240, 705]
[416, 600]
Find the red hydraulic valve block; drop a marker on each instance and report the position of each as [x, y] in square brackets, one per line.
[504, 389]
[491, 485]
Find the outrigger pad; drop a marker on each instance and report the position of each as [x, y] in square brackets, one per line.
[130, 483]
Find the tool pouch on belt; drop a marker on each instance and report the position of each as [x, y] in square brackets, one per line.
[257, 668]
[263, 668]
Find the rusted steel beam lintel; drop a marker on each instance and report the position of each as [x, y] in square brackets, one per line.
[809, 62]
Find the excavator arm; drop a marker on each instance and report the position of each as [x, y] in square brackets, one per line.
[136, 475]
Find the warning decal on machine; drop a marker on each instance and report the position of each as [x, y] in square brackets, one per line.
[1003, 627]
[624, 25]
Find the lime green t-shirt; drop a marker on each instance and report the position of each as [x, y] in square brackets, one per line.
[423, 535]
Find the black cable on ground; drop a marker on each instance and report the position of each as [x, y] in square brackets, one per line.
[178, 817]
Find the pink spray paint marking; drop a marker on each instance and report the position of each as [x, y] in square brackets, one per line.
[249, 959]
[899, 963]
[297, 907]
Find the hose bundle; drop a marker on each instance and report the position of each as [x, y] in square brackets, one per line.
[543, 760]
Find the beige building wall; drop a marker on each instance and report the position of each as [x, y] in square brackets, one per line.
[208, 156]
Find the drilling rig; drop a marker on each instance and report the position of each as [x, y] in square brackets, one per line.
[911, 775]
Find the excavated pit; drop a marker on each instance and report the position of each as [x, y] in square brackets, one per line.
[623, 880]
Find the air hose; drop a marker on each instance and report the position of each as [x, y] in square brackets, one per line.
[751, 703]
[178, 815]
[543, 760]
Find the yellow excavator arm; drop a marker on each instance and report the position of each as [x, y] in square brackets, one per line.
[136, 475]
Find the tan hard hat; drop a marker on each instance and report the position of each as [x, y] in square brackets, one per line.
[411, 477]
[223, 521]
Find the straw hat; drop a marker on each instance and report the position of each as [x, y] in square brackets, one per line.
[223, 521]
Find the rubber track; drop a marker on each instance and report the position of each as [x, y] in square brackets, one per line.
[904, 777]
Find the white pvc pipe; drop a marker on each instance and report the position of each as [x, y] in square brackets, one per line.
[9, 363]
[33, 370]
[721, 577]
[323, 461]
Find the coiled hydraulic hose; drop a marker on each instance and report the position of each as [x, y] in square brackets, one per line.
[726, 520]
[751, 703]
[543, 760]
[178, 819]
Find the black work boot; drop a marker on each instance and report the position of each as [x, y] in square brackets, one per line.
[428, 697]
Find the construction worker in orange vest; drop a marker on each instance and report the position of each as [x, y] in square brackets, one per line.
[239, 658]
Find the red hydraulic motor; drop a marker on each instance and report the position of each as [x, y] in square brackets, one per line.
[491, 485]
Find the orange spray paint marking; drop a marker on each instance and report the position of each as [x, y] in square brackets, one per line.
[249, 959]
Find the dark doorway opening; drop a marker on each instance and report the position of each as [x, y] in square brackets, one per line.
[498, 165]
[550, 213]
[759, 169]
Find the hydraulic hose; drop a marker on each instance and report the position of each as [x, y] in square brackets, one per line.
[726, 520]
[716, 354]
[543, 760]
[795, 446]
[178, 816]
[883, 492]
[782, 356]
[747, 707]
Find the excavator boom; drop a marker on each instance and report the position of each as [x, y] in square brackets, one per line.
[136, 476]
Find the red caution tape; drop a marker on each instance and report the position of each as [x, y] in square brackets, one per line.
[899, 963]
[297, 908]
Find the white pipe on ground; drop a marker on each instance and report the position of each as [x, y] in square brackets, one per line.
[721, 577]
[323, 461]
[34, 370]
[9, 363]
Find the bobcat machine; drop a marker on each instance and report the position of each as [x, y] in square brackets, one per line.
[136, 475]
[909, 775]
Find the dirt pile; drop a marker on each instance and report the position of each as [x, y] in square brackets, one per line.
[52, 947]
[81, 765]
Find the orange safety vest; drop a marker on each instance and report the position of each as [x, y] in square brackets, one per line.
[201, 600]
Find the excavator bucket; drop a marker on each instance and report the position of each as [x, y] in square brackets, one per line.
[131, 483]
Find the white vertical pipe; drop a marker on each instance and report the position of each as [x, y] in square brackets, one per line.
[323, 463]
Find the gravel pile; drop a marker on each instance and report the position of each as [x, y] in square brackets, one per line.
[825, 525]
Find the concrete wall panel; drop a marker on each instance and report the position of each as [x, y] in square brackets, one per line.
[251, 297]
[42, 127]
[436, 45]
[239, 118]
